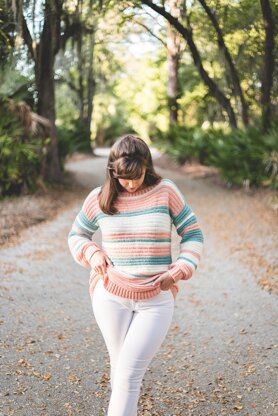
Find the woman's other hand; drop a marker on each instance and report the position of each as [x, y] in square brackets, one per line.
[166, 281]
[99, 262]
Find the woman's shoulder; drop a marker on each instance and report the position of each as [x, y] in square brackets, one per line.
[96, 190]
[92, 195]
[173, 189]
[169, 183]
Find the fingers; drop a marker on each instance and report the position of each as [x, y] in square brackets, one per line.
[101, 268]
[161, 277]
[165, 285]
[101, 260]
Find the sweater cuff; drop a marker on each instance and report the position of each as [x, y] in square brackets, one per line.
[179, 271]
[176, 273]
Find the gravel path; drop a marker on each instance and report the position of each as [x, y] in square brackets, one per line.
[219, 357]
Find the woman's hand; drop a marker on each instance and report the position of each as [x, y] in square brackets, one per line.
[99, 262]
[166, 281]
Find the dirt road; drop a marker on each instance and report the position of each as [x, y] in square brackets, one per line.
[219, 357]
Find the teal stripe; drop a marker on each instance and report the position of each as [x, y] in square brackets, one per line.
[143, 240]
[186, 224]
[187, 260]
[91, 228]
[75, 233]
[190, 221]
[185, 211]
[132, 261]
[193, 235]
[85, 221]
[162, 209]
[138, 275]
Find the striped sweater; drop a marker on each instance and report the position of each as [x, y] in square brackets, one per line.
[137, 239]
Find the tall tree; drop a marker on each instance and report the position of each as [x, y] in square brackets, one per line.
[268, 65]
[187, 34]
[173, 57]
[233, 71]
[85, 43]
[58, 26]
[43, 54]
[90, 79]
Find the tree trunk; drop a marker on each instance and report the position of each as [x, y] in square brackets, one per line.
[173, 56]
[43, 55]
[268, 66]
[233, 72]
[91, 83]
[44, 70]
[186, 33]
[80, 66]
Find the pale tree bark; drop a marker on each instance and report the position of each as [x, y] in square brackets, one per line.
[80, 66]
[173, 57]
[268, 65]
[91, 80]
[85, 43]
[187, 34]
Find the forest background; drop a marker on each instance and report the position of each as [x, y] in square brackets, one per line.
[196, 79]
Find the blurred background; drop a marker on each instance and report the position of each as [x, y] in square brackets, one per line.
[196, 79]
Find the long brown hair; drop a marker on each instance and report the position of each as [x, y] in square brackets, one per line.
[127, 159]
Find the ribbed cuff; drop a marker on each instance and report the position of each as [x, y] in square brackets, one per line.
[180, 271]
[176, 273]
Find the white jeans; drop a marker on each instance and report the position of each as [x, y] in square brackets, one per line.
[133, 331]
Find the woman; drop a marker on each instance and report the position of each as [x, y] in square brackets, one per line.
[133, 279]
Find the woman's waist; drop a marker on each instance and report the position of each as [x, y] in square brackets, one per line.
[127, 286]
[127, 279]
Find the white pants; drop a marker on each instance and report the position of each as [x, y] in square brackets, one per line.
[133, 331]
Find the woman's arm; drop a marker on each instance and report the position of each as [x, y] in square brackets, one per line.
[83, 228]
[192, 238]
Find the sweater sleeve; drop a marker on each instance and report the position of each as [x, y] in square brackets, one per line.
[83, 228]
[192, 239]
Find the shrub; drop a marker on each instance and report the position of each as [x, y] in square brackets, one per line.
[186, 144]
[242, 156]
[20, 156]
[246, 156]
[73, 138]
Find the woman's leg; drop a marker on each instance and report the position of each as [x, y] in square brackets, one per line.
[147, 330]
[113, 316]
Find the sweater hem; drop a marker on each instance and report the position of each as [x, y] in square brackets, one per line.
[124, 292]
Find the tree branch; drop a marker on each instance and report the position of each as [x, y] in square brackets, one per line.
[150, 31]
[27, 37]
[187, 35]
[222, 46]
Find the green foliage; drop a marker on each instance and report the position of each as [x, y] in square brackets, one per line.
[185, 144]
[247, 156]
[20, 157]
[15, 85]
[114, 126]
[7, 34]
[72, 137]
[242, 156]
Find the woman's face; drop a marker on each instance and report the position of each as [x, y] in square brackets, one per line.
[132, 185]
